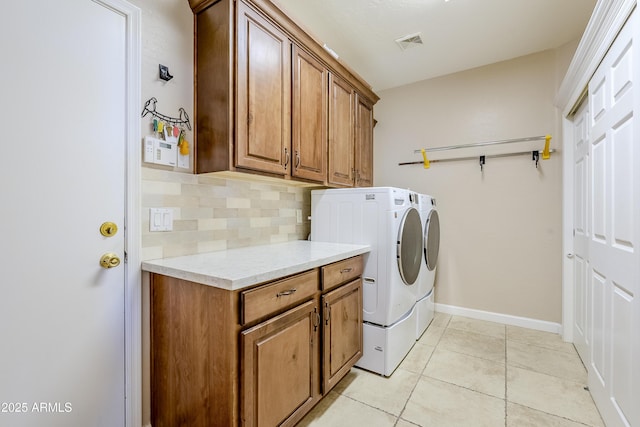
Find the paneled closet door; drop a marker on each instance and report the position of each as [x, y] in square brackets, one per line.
[582, 297]
[614, 240]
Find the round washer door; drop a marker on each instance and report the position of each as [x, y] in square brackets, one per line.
[432, 239]
[410, 246]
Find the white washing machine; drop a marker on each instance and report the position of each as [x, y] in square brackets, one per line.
[388, 220]
[425, 306]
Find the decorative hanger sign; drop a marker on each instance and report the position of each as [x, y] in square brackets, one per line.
[170, 129]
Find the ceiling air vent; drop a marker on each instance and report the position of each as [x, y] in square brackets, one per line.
[409, 41]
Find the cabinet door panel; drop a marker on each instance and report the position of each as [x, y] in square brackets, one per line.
[263, 122]
[309, 117]
[341, 138]
[342, 332]
[364, 142]
[279, 379]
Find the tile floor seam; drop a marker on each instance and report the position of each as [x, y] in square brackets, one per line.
[477, 332]
[506, 363]
[524, 368]
[545, 347]
[461, 386]
[421, 374]
[553, 415]
[528, 368]
[473, 355]
[371, 406]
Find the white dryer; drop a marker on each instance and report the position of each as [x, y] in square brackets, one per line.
[388, 220]
[431, 247]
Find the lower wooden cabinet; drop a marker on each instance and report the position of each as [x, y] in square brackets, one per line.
[342, 332]
[257, 357]
[280, 368]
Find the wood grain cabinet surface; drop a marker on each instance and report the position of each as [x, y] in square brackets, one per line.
[364, 142]
[268, 98]
[262, 356]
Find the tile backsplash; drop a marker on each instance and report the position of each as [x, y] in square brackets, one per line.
[212, 213]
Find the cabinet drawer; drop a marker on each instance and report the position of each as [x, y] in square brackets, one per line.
[341, 272]
[265, 300]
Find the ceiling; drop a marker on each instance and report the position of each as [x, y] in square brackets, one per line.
[457, 35]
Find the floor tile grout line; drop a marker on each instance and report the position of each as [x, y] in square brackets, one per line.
[421, 374]
[463, 387]
[473, 355]
[371, 406]
[506, 363]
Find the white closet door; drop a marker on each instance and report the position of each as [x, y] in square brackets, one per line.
[581, 231]
[613, 244]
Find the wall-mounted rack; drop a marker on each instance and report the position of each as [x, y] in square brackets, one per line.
[150, 108]
[535, 154]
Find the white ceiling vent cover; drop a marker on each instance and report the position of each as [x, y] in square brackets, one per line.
[409, 41]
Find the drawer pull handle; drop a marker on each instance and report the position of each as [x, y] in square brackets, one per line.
[285, 293]
[346, 270]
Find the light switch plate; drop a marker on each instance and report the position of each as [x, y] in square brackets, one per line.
[160, 219]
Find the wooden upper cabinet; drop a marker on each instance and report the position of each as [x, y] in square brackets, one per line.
[263, 116]
[269, 99]
[309, 139]
[364, 142]
[341, 132]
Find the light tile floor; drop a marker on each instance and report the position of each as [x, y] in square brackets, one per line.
[466, 372]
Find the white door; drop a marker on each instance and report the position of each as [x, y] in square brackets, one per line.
[582, 300]
[62, 86]
[613, 245]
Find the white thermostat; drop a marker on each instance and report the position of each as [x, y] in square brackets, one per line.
[159, 151]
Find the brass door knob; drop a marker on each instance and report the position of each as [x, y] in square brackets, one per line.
[109, 260]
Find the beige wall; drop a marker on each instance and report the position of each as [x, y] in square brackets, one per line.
[501, 228]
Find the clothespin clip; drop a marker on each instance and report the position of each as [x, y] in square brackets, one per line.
[482, 162]
[545, 153]
[535, 156]
[427, 164]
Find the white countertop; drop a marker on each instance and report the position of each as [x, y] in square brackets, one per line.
[234, 269]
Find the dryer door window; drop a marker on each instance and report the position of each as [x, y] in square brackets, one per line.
[410, 246]
[432, 239]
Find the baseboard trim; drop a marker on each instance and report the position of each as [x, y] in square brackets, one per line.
[506, 319]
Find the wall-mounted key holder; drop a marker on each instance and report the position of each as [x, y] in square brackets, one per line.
[182, 120]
